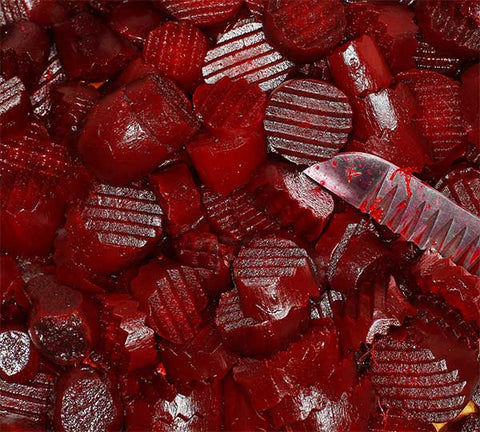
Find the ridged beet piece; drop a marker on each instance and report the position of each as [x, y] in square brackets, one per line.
[428, 57]
[304, 37]
[459, 288]
[90, 50]
[173, 298]
[132, 130]
[292, 199]
[18, 357]
[111, 229]
[177, 50]
[87, 400]
[256, 60]
[23, 52]
[135, 20]
[429, 369]
[307, 121]
[201, 12]
[234, 217]
[127, 342]
[62, 322]
[470, 102]
[15, 108]
[13, 299]
[180, 199]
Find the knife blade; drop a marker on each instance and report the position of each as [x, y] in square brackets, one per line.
[403, 203]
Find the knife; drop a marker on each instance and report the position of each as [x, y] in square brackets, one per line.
[403, 203]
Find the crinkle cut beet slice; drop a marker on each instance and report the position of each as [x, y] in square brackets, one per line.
[307, 121]
[470, 103]
[15, 107]
[428, 369]
[428, 57]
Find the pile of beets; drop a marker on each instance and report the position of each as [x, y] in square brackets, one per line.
[166, 265]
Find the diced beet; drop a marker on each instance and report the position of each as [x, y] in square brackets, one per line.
[87, 400]
[180, 199]
[234, 217]
[202, 358]
[462, 185]
[113, 228]
[127, 341]
[23, 52]
[229, 106]
[34, 170]
[393, 423]
[28, 402]
[202, 250]
[428, 369]
[172, 296]
[13, 299]
[15, 107]
[132, 130]
[316, 70]
[226, 163]
[469, 90]
[201, 12]
[451, 26]
[52, 74]
[135, 20]
[90, 50]
[428, 57]
[239, 415]
[305, 362]
[18, 357]
[359, 67]
[292, 199]
[460, 289]
[69, 107]
[135, 70]
[307, 121]
[62, 322]
[177, 50]
[440, 119]
[243, 52]
[304, 36]
[390, 25]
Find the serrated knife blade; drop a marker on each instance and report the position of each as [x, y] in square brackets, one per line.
[404, 204]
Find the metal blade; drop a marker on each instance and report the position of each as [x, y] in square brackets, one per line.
[403, 203]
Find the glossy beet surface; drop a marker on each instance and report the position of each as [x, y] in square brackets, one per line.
[239, 215]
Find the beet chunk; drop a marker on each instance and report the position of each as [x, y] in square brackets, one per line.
[15, 107]
[24, 52]
[87, 400]
[13, 299]
[62, 322]
[292, 199]
[302, 36]
[470, 103]
[429, 369]
[88, 49]
[132, 130]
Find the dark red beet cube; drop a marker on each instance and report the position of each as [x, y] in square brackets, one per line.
[90, 50]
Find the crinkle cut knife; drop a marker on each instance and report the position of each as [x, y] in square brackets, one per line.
[403, 203]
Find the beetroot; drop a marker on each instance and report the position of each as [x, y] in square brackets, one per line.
[23, 52]
[62, 322]
[304, 37]
[358, 67]
[393, 423]
[172, 296]
[451, 26]
[18, 357]
[135, 20]
[440, 119]
[15, 106]
[177, 50]
[111, 229]
[179, 198]
[152, 113]
[428, 57]
[292, 199]
[201, 12]
[256, 61]
[317, 70]
[257, 7]
[428, 369]
[226, 163]
[86, 399]
[234, 217]
[227, 106]
[90, 50]
[135, 70]
[13, 298]
[307, 121]
[470, 104]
